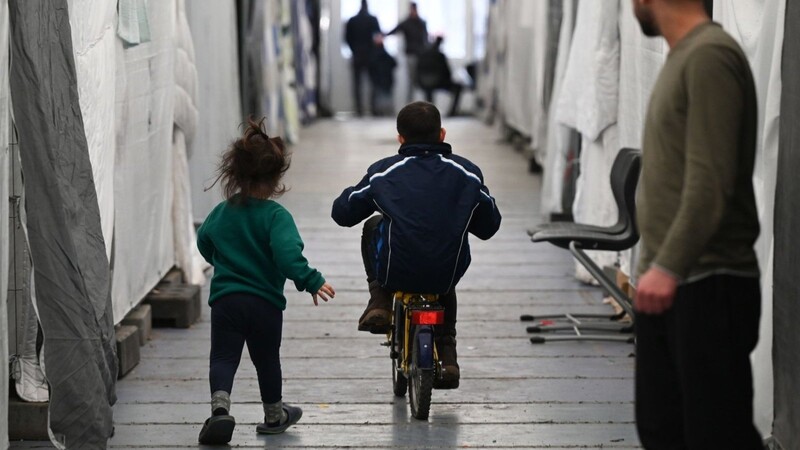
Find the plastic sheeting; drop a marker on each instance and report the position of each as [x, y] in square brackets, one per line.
[252, 28]
[94, 44]
[305, 65]
[558, 135]
[588, 102]
[4, 236]
[143, 176]
[641, 59]
[187, 256]
[786, 341]
[213, 27]
[70, 267]
[524, 66]
[758, 26]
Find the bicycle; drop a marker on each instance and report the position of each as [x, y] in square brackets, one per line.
[415, 362]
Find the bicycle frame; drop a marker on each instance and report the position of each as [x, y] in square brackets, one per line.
[419, 315]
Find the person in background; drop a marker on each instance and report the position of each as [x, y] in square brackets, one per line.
[381, 74]
[359, 34]
[698, 294]
[254, 246]
[433, 73]
[415, 35]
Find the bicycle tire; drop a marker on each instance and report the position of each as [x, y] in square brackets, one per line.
[420, 386]
[399, 380]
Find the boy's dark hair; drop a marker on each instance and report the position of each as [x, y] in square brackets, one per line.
[251, 163]
[419, 123]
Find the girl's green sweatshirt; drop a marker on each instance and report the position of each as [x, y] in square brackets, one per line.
[254, 247]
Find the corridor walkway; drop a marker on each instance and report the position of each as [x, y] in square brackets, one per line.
[513, 394]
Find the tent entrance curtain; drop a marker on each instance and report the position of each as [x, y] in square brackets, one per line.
[786, 309]
[71, 270]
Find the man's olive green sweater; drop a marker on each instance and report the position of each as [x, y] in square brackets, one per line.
[696, 207]
[254, 247]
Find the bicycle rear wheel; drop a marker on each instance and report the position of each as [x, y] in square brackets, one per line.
[420, 384]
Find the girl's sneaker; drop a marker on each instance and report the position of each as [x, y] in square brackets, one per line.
[217, 430]
[293, 414]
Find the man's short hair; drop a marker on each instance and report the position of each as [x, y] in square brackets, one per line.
[419, 123]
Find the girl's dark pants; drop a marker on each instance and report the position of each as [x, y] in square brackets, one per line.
[237, 319]
[694, 388]
[368, 255]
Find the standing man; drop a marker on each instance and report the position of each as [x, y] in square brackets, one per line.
[359, 34]
[415, 35]
[698, 293]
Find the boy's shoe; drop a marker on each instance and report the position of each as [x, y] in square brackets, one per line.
[446, 349]
[293, 414]
[377, 318]
[217, 430]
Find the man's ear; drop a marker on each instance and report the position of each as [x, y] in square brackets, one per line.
[401, 139]
[442, 134]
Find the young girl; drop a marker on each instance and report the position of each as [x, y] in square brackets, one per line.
[254, 245]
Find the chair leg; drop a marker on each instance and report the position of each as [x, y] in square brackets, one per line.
[611, 328]
[623, 300]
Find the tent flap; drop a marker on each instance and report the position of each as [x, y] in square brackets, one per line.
[71, 270]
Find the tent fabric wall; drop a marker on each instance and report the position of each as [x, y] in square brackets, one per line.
[305, 65]
[589, 96]
[758, 26]
[558, 135]
[283, 49]
[786, 339]
[94, 45]
[272, 101]
[588, 102]
[187, 256]
[4, 214]
[641, 59]
[252, 27]
[70, 266]
[143, 177]
[218, 101]
[524, 65]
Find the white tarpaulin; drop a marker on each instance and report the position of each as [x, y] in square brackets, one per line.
[641, 59]
[218, 104]
[143, 230]
[758, 25]
[187, 256]
[94, 44]
[4, 237]
[524, 65]
[557, 133]
[588, 102]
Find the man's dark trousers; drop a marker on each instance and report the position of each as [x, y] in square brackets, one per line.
[694, 385]
[360, 67]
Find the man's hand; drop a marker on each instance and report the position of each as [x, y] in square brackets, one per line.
[655, 291]
[325, 291]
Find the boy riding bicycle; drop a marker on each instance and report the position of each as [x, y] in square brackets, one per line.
[427, 199]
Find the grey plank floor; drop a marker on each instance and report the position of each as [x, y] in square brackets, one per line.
[513, 394]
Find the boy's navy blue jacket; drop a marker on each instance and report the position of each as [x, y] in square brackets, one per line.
[429, 198]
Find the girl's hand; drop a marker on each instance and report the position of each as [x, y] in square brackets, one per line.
[325, 291]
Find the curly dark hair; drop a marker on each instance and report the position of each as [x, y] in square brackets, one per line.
[253, 165]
